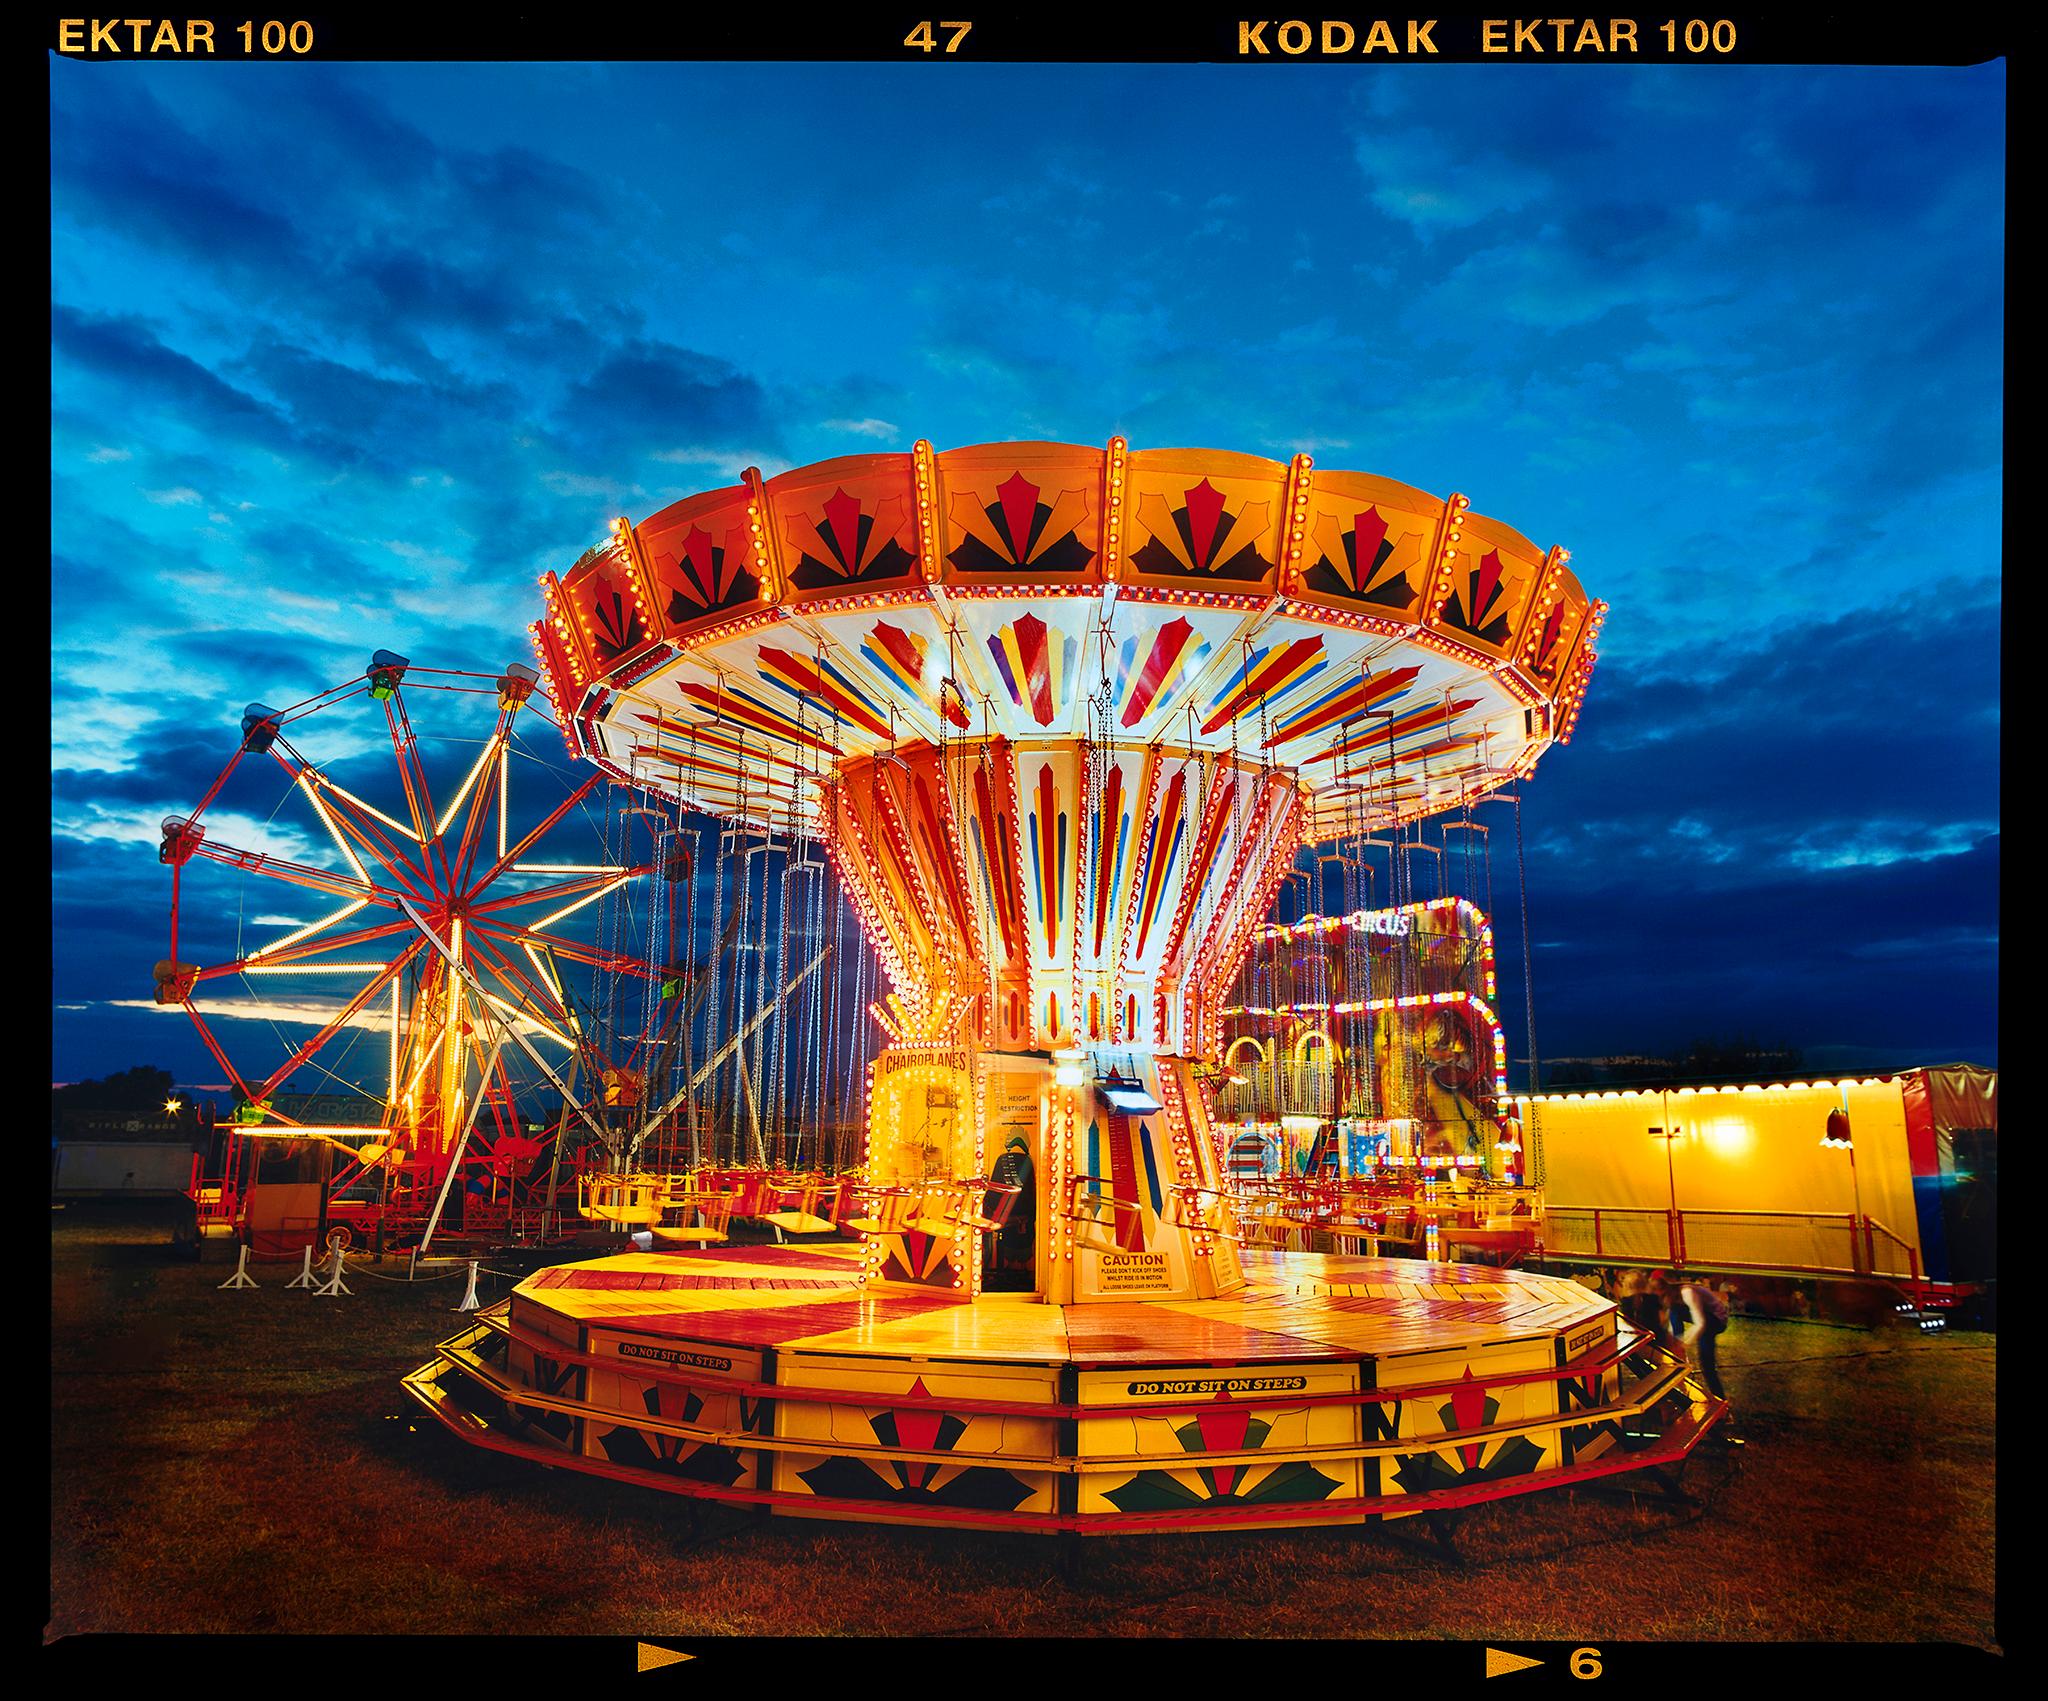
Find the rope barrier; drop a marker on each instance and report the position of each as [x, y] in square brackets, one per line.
[406, 1281]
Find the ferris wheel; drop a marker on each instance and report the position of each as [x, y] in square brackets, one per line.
[392, 892]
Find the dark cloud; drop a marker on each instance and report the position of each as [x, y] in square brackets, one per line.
[141, 174]
[279, 667]
[649, 396]
[174, 778]
[1880, 716]
[129, 354]
[358, 416]
[1679, 851]
[1902, 956]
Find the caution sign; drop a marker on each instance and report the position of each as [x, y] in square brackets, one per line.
[1135, 1272]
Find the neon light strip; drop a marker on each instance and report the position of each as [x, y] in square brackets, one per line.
[367, 809]
[310, 928]
[528, 1016]
[571, 909]
[566, 868]
[544, 966]
[341, 844]
[1353, 1007]
[441, 826]
[432, 1050]
[291, 1131]
[541, 968]
[455, 1066]
[1329, 924]
[504, 788]
[254, 968]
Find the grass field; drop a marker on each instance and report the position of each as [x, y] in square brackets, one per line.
[234, 1462]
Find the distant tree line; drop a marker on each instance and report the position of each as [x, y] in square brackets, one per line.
[144, 1087]
[1742, 1058]
[136, 1094]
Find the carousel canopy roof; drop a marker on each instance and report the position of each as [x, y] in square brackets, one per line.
[1397, 651]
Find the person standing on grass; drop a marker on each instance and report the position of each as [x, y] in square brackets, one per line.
[1708, 1319]
[1660, 1301]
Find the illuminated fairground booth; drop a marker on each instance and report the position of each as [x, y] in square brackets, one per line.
[1065, 719]
[1364, 1044]
[1889, 1181]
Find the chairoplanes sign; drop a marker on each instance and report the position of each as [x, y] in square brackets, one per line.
[891, 1061]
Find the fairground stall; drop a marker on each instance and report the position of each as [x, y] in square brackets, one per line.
[1891, 1178]
[1362, 1043]
[1062, 719]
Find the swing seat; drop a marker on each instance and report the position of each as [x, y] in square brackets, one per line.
[636, 1216]
[882, 1210]
[1095, 1215]
[635, 1203]
[749, 1190]
[714, 1220]
[833, 1198]
[798, 1200]
[1214, 1217]
[944, 1222]
[990, 1219]
[1274, 1222]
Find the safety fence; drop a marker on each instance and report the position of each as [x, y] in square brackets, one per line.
[1794, 1242]
[1626, 1404]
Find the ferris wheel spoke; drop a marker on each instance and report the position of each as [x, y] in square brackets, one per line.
[419, 796]
[220, 1055]
[285, 1070]
[405, 750]
[298, 873]
[591, 956]
[351, 819]
[584, 888]
[516, 1013]
[220, 781]
[327, 783]
[548, 825]
[515, 981]
[543, 965]
[480, 795]
[299, 953]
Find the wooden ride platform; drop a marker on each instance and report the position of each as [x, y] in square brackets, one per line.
[1332, 1389]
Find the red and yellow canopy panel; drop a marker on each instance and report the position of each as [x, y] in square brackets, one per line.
[1393, 652]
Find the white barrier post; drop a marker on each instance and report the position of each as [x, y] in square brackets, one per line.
[304, 1279]
[241, 1278]
[469, 1299]
[334, 1284]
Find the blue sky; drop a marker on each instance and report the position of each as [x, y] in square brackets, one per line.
[344, 356]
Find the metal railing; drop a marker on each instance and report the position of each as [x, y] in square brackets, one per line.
[1833, 1243]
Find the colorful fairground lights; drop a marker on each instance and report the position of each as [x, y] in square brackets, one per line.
[970, 858]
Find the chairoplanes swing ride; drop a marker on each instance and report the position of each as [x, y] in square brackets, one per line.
[1062, 724]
